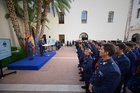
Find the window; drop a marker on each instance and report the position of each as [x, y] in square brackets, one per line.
[61, 18]
[84, 17]
[138, 13]
[110, 17]
[139, 1]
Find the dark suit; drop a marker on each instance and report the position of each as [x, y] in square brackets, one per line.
[40, 43]
[30, 49]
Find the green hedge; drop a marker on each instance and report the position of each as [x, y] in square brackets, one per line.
[13, 48]
[16, 55]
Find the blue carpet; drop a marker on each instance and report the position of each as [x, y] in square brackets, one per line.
[35, 64]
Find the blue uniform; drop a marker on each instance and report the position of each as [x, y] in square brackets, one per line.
[124, 64]
[132, 58]
[41, 42]
[138, 49]
[137, 57]
[30, 49]
[93, 50]
[88, 67]
[107, 77]
[88, 71]
[81, 59]
[133, 83]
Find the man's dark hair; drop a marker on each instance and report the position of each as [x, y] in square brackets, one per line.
[110, 49]
[121, 46]
[99, 44]
[113, 42]
[129, 44]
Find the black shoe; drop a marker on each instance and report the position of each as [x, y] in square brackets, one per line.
[83, 87]
[81, 79]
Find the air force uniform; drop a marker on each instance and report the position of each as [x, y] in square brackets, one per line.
[107, 77]
[124, 64]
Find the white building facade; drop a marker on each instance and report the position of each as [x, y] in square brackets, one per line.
[97, 26]
[97, 19]
[134, 32]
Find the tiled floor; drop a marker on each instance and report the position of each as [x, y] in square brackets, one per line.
[40, 87]
[59, 75]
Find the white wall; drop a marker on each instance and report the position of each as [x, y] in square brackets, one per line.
[97, 26]
[135, 22]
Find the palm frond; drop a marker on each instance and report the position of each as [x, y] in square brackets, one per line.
[53, 8]
[18, 9]
[31, 13]
[47, 27]
[60, 6]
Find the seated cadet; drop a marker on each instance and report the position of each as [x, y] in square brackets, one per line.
[107, 75]
[133, 84]
[123, 62]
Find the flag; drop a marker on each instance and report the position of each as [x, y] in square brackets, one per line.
[35, 39]
[32, 40]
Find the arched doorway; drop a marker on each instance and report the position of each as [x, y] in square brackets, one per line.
[83, 36]
[136, 37]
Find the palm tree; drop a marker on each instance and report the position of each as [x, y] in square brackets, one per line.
[44, 15]
[33, 16]
[12, 14]
[56, 6]
[26, 18]
[40, 2]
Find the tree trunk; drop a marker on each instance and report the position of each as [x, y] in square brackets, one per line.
[26, 18]
[14, 20]
[47, 3]
[40, 2]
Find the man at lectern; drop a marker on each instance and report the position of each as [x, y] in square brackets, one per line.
[40, 43]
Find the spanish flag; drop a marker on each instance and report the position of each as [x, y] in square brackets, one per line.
[32, 41]
[35, 39]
